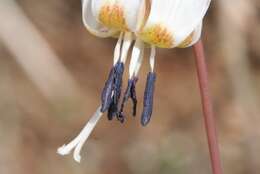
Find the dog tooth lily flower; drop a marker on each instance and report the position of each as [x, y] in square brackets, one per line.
[120, 15]
[107, 18]
[152, 23]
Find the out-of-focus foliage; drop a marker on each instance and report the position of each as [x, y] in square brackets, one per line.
[52, 72]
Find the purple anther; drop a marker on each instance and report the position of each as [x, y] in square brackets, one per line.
[129, 93]
[112, 91]
[148, 99]
[106, 97]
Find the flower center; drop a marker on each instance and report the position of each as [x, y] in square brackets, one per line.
[113, 16]
[157, 35]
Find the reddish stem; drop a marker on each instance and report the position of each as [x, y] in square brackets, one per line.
[207, 108]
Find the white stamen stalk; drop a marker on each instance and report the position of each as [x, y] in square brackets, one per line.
[79, 141]
[139, 63]
[117, 51]
[126, 45]
[136, 55]
[152, 57]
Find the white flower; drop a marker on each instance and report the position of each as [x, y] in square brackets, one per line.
[173, 23]
[156, 23]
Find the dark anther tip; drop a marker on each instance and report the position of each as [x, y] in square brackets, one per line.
[134, 109]
[148, 99]
[112, 111]
[121, 117]
[145, 121]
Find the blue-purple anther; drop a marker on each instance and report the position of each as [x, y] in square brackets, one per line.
[129, 93]
[119, 70]
[148, 99]
[112, 91]
[106, 97]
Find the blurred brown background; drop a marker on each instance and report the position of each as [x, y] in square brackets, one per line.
[52, 72]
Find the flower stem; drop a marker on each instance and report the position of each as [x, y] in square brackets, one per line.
[207, 108]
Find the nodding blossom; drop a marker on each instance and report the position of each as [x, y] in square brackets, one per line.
[143, 24]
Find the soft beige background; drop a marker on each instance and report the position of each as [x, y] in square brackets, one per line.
[52, 72]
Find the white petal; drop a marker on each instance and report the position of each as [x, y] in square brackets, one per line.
[192, 38]
[91, 23]
[118, 14]
[196, 34]
[177, 19]
[79, 141]
[132, 11]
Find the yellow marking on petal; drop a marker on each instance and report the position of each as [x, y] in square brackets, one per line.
[187, 41]
[157, 35]
[113, 16]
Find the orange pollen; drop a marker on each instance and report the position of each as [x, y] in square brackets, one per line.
[112, 16]
[157, 35]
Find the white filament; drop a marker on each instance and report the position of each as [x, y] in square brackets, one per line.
[128, 38]
[137, 54]
[117, 51]
[79, 141]
[152, 57]
[139, 63]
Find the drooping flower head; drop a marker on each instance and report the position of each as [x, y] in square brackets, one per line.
[147, 23]
[173, 23]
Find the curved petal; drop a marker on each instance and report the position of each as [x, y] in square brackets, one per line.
[170, 22]
[192, 38]
[117, 14]
[92, 24]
